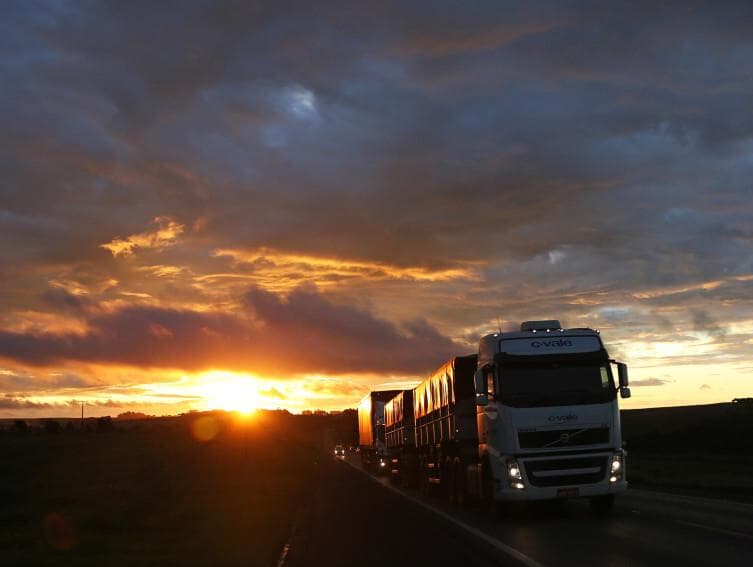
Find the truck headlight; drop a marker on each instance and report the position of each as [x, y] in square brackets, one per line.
[617, 467]
[514, 475]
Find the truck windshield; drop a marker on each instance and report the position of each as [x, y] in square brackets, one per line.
[555, 384]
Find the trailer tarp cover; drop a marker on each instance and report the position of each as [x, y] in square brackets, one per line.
[399, 409]
[452, 382]
[394, 411]
[371, 417]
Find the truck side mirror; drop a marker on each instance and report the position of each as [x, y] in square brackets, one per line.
[622, 373]
[482, 397]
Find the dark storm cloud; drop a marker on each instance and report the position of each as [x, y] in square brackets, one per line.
[12, 403]
[592, 156]
[23, 382]
[61, 300]
[301, 333]
[306, 111]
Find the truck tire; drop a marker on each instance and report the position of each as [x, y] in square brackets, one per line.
[602, 505]
[423, 478]
[458, 488]
[489, 505]
[447, 480]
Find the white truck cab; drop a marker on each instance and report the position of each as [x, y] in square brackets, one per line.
[547, 415]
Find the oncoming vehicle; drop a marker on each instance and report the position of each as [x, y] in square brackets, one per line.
[532, 416]
[339, 451]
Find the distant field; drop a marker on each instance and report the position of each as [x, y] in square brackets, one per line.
[706, 450]
[154, 494]
[715, 475]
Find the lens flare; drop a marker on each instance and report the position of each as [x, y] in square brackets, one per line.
[59, 531]
[205, 428]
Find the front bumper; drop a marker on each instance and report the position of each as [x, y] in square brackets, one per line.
[561, 476]
[559, 492]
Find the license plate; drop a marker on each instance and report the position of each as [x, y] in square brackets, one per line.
[568, 492]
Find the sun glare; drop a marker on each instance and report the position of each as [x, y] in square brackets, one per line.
[231, 392]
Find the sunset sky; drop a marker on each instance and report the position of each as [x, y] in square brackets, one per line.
[288, 204]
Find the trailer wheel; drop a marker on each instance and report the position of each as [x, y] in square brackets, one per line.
[447, 480]
[458, 488]
[423, 478]
[450, 481]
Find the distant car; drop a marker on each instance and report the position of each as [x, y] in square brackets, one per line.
[339, 451]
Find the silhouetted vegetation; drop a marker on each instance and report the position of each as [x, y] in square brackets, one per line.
[20, 426]
[132, 416]
[204, 488]
[104, 424]
[52, 426]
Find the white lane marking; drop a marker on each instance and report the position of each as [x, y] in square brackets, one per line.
[717, 530]
[504, 548]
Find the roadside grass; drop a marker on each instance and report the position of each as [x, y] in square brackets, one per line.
[151, 495]
[705, 474]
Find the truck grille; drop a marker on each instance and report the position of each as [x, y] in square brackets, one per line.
[564, 472]
[563, 437]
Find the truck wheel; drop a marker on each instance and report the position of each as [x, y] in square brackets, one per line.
[602, 504]
[488, 504]
[459, 496]
[423, 479]
[448, 482]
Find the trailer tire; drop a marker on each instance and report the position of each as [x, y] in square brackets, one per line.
[458, 488]
[447, 480]
[423, 478]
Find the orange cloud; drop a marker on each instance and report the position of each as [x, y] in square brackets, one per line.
[330, 337]
[275, 269]
[166, 234]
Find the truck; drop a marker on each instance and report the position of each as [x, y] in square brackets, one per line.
[371, 429]
[400, 437]
[532, 416]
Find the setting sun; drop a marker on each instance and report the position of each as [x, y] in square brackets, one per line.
[231, 392]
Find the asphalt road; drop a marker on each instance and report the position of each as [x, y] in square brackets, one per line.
[353, 520]
[356, 519]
